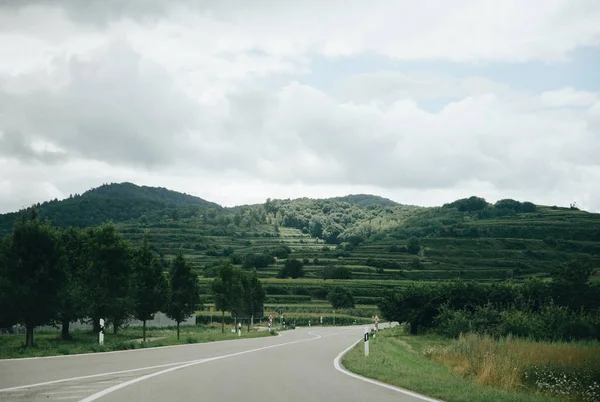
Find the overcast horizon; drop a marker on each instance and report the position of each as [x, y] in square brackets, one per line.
[239, 101]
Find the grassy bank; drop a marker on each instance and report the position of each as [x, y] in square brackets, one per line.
[567, 370]
[407, 362]
[50, 344]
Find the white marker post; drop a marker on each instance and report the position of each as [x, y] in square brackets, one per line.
[366, 341]
[101, 334]
[239, 329]
[376, 325]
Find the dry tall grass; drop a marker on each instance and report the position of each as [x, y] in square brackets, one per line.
[571, 370]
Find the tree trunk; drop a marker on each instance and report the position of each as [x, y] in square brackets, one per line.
[65, 336]
[29, 336]
[223, 321]
[177, 330]
[144, 330]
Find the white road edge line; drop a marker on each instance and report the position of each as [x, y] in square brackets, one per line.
[135, 380]
[338, 366]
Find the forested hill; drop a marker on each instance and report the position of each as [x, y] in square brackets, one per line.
[119, 202]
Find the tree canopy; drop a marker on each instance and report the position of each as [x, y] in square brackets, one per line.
[184, 296]
[32, 273]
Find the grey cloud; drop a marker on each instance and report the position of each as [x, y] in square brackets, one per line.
[101, 12]
[13, 144]
[116, 107]
[98, 11]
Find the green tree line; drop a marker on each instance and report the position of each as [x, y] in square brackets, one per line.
[567, 307]
[53, 276]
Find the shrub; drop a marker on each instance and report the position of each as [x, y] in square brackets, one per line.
[413, 246]
[340, 298]
[293, 268]
[337, 273]
[451, 323]
[320, 293]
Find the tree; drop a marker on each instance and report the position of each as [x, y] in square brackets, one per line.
[528, 207]
[184, 291]
[32, 272]
[413, 246]
[292, 268]
[253, 294]
[75, 244]
[109, 277]
[227, 289]
[150, 287]
[468, 204]
[340, 298]
[8, 296]
[570, 284]
[315, 228]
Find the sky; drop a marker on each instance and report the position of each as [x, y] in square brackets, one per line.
[237, 101]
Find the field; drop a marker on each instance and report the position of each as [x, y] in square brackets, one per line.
[50, 344]
[480, 369]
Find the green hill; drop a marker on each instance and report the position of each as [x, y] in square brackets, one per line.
[379, 244]
[117, 202]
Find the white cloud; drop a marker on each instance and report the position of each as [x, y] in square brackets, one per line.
[568, 97]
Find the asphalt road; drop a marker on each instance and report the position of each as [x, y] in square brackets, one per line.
[297, 365]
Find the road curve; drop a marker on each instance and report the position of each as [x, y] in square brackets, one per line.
[298, 365]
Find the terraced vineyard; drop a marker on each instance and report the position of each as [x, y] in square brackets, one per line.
[384, 265]
[377, 244]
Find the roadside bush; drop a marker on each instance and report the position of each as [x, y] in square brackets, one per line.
[553, 323]
[451, 323]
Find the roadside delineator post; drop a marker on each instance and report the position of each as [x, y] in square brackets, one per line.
[239, 329]
[101, 333]
[366, 341]
[376, 325]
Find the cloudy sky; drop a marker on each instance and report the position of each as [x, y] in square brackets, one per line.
[239, 100]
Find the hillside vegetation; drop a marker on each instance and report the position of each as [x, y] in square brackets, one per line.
[366, 243]
[117, 202]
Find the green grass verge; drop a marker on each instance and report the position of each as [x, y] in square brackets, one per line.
[50, 344]
[396, 359]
